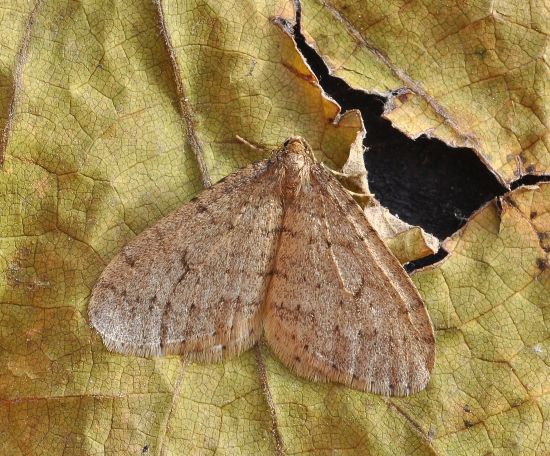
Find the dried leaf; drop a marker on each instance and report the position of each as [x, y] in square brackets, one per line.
[97, 151]
[470, 74]
[406, 242]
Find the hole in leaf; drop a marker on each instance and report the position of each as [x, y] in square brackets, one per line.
[426, 261]
[529, 179]
[423, 181]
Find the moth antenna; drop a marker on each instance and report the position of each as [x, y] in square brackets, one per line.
[257, 147]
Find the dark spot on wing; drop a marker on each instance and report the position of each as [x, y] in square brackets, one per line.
[109, 286]
[183, 260]
[359, 289]
[289, 231]
[182, 276]
[201, 208]
[128, 259]
[164, 323]
[403, 310]
[542, 264]
[276, 273]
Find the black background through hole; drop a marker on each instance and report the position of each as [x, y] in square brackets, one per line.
[423, 181]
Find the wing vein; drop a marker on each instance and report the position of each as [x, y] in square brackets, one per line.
[355, 340]
[375, 264]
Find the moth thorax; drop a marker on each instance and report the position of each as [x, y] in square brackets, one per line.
[295, 170]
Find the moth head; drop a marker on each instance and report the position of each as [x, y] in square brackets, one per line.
[297, 145]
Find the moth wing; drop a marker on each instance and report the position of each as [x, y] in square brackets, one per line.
[340, 307]
[193, 283]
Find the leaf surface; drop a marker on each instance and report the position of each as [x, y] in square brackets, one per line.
[107, 117]
[472, 74]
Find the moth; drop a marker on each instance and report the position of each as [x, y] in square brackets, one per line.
[278, 249]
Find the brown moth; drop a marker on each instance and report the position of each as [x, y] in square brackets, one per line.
[278, 248]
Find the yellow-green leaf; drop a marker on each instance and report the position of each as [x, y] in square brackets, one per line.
[473, 73]
[110, 107]
[489, 302]
[107, 116]
[406, 242]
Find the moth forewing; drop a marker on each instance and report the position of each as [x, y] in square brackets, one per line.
[194, 281]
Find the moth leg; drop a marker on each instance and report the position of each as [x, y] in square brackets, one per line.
[361, 197]
[336, 173]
